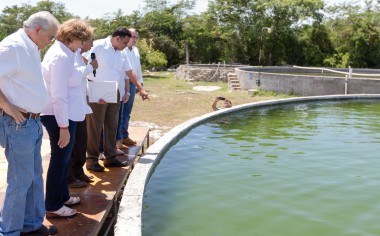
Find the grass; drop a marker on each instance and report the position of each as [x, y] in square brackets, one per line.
[173, 102]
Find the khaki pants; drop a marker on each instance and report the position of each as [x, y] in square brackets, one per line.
[104, 116]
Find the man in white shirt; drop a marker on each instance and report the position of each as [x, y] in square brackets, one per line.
[76, 178]
[23, 96]
[133, 55]
[113, 66]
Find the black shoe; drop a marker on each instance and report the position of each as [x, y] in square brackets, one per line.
[94, 167]
[43, 231]
[115, 163]
[77, 184]
[85, 178]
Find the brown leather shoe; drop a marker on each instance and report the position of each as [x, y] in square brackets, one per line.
[128, 141]
[43, 231]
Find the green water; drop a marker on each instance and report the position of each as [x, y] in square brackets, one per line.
[295, 170]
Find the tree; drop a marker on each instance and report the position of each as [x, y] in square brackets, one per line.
[12, 17]
[240, 25]
[355, 36]
[156, 60]
[162, 26]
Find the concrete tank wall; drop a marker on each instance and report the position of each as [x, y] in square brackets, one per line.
[304, 85]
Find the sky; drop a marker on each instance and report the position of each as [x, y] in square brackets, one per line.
[99, 8]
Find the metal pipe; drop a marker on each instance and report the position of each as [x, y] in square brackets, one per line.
[346, 85]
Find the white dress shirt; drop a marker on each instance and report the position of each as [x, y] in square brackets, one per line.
[112, 64]
[20, 73]
[64, 85]
[85, 70]
[134, 58]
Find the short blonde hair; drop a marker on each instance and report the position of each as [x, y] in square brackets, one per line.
[74, 29]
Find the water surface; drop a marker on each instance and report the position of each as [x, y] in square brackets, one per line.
[303, 169]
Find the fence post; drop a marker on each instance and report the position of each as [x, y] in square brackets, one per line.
[349, 72]
[346, 85]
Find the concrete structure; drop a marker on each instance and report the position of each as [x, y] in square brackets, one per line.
[129, 220]
[307, 82]
[206, 73]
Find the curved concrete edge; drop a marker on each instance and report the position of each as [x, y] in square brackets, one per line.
[129, 220]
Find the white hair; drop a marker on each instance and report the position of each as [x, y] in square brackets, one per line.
[43, 19]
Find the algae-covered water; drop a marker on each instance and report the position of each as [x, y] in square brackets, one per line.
[294, 170]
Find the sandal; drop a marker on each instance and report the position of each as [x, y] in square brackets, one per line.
[72, 201]
[63, 212]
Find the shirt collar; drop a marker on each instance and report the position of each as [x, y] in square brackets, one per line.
[65, 48]
[130, 50]
[28, 41]
[108, 43]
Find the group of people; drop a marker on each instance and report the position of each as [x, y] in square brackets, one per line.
[53, 93]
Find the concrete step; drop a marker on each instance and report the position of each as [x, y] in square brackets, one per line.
[233, 82]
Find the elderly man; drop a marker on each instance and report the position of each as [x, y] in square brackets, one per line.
[113, 66]
[23, 95]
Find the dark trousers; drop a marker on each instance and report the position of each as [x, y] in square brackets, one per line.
[78, 155]
[56, 185]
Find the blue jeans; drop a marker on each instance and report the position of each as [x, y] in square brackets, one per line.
[23, 207]
[125, 114]
[57, 191]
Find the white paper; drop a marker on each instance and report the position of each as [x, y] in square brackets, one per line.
[106, 90]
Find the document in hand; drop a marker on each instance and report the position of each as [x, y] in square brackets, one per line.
[107, 90]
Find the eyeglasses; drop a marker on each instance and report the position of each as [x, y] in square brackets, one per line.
[51, 38]
[48, 34]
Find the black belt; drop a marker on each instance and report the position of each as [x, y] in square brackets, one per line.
[27, 115]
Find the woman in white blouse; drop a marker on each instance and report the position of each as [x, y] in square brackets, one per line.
[65, 107]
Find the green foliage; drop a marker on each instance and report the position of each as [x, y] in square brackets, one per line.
[156, 59]
[144, 50]
[12, 17]
[355, 35]
[303, 32]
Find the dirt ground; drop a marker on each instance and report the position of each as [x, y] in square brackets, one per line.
[173, 102]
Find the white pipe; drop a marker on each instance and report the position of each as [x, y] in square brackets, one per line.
[336, 71]
[346, 85]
